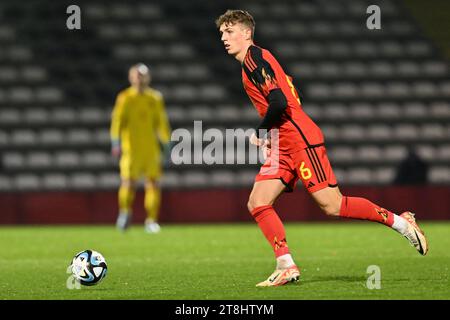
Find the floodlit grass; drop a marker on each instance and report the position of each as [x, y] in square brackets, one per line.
[224, 262]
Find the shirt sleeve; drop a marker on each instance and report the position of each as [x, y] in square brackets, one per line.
[118, 117]
[162, 126]
[261, 73]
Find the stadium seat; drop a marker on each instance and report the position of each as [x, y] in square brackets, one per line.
[82, 181]
[352, 132]
[398, 90]
[338, 50]
[359, 176]
[384, 175]
[394, 153]
[418, 49]
[195, 179]
[49, 95]
[406, 132]
[39, 160]
[319, 91]
[361, 111]
[351, 69]
[8, 74]
[23, 137]
[20, 53]
[36, 116]
[176, 113]
[54, 181]
[439, 174]
[222, 178]
[380, 132]
[345, 90]
[13, 160]
[64, 115]
[51, 137]
[19, 95]
[440, 109]
[5, 183]
[34, 74]
[369, 154]
[10, 116]
[443, 153]
[212, 92]
[67, 159]
[330, 132]
[425, 89]
[389, 110]
[4, 139]
[101, 137]
[341, 154]
[96, 11]
[391, 49]
[95, 159]
[433, 131]
[109, 180]
[93, 115]
[381, 69]
[335, 111]
[246, 178]
[24, 182]
[329, 69]
[435, 68]
[227, 113]
[78, 136]
[415, 110]
[408, 69]
[149, 11]
[426, 152]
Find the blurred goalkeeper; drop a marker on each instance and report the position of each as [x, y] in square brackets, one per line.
[140, 134]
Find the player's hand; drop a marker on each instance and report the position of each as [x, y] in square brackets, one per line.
[165, 154]
[256, 141]
[115, 149]
[266, 149]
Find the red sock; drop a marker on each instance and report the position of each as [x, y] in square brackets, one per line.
[360, 208]
[272, 227]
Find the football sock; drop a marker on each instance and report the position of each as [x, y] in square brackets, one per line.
[151, 202]
[360, 208]
[285, 261]
[126, 198]
[400, 224]
[272, 228]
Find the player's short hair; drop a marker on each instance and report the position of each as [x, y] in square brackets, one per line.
[237, 16]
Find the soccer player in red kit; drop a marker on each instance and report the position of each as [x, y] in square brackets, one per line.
[300, 152]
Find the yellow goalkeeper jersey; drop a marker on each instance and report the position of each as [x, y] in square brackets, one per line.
[139, 122]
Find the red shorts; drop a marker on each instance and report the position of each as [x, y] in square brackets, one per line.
[311, 165]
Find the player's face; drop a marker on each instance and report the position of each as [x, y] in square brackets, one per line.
[138, 79]
[234, 37]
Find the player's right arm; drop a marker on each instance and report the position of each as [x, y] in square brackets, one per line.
[118, 120]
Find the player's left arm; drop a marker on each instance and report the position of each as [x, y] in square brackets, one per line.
[163, 128]
[264, 77]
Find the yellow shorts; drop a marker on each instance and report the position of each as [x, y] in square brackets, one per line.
[135, 168]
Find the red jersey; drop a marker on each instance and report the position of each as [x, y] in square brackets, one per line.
[261, 74]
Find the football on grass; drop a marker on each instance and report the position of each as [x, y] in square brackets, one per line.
[89, 267]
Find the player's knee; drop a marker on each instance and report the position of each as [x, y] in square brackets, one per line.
[255, 203]
[331, 208]
[127, 184]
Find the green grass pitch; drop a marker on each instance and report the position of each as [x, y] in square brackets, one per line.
[224, 262]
